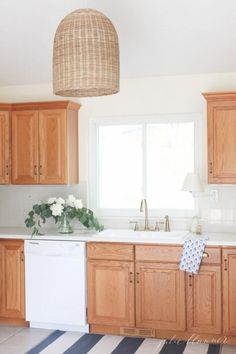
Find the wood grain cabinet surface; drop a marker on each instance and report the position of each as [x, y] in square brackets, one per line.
[12, 290]
[221, 123]
[4, 147]
[229, 291]
[111, 293]
[146, 291]
[45, 143]
[160, 296]
[110, 284]
[204, 300]
[129, 293]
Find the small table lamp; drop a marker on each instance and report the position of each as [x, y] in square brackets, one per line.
[192, 184]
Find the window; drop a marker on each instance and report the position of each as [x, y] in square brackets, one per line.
[120, 166]
[141, 157]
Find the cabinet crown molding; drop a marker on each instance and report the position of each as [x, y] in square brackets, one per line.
[22, 106]
[5, 106]
[220, 96]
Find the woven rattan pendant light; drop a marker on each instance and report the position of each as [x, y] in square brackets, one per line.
[85, 55]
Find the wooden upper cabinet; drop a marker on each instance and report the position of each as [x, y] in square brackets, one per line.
[12, 290]
[25, 147]
[53, 147]
[221, 122]
[160, 296]
[4, 147]
[204, 300]
[229, 291]
[45, 143]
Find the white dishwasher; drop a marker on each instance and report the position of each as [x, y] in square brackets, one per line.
[55, 276]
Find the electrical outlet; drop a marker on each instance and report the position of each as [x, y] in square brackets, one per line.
[214, 196]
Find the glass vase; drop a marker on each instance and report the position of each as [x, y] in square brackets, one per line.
[66, 226]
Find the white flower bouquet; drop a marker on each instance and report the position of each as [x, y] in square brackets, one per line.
[61, 210]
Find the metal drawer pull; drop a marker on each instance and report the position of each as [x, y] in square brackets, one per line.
[211, 168]
[137, 278]
[22, 256]
[190, 280]
[40, 170]
[226, 265]
[7, 170]
[131, 277]
[205, 255]
[35, 170]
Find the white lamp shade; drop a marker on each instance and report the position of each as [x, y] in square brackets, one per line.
[192, 183]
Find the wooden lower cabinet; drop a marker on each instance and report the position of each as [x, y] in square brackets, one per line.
[160, 296]
[229, 291]
[147, 295]
[12, 291]
[111, 293]
[204, 300]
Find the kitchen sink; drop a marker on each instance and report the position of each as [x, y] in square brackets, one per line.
[142, 235]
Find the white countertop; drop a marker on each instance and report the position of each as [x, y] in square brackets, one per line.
[116, 235]
[49, 234]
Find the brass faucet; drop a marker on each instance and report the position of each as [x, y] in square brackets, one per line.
[167, 223]
[143, 207]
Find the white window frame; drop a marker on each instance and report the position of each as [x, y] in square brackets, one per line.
[93, 173]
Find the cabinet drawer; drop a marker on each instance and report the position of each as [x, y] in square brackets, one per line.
[211, 255]
[173, 254]
[158, 253]
[115, 251]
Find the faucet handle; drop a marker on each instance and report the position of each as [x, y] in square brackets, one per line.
[135, 225]
[157, 228]
[167, 223]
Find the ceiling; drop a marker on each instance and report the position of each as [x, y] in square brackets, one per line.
[157, 37]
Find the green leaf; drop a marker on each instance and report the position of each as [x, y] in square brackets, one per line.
[41, 212]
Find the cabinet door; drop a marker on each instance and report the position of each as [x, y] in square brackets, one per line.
[53, 146]
[229, 291]
[221, 142]
[25, 147]
[204, 300]
[160, 296]
[111, 293]
[4, 147]
[12, 279]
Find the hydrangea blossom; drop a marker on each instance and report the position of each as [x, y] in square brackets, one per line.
[78, 204]
[56, 209]
[70, 200]
[59, 209]
[60, 201]
[51, 200]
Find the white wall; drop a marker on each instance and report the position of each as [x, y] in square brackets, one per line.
[167, 94]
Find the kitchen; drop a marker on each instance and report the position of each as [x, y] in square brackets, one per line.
[144, 100]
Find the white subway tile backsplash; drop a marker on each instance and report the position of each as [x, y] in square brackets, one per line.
[228, 215]
[216, 215]
[17, 201]
[220, 214]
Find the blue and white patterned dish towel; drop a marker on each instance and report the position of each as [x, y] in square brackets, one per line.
[192, 254]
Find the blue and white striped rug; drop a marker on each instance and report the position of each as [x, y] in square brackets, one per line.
[60, 342]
